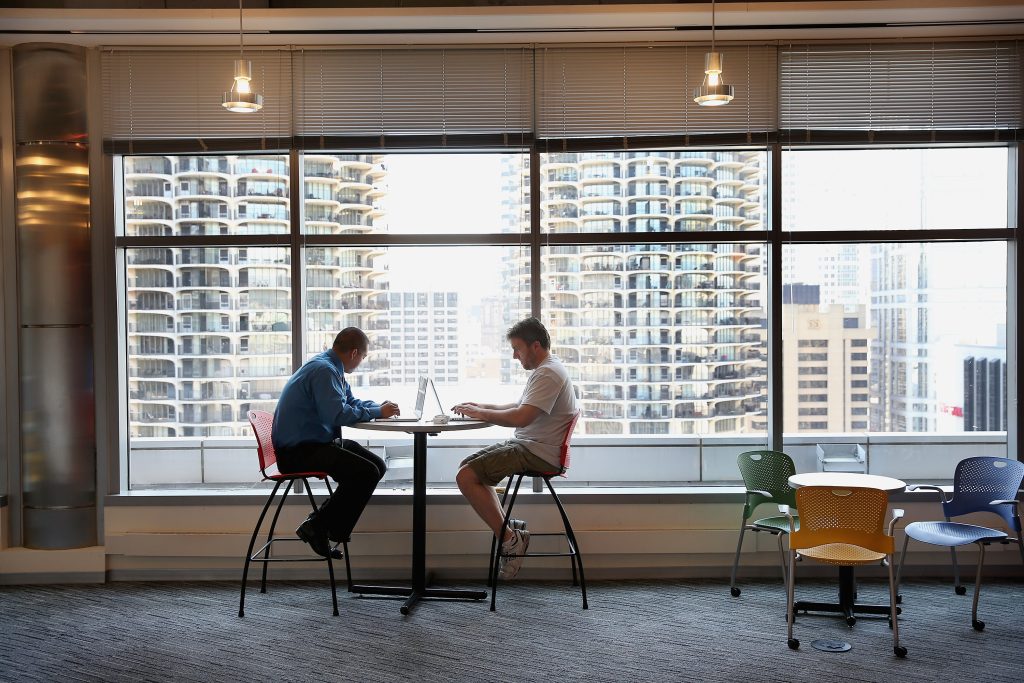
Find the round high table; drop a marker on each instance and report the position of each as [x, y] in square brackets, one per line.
[418, 589]
[847, 604]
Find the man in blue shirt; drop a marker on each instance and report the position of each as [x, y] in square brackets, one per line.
[315, 403]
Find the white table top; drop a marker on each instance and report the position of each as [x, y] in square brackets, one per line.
[422, 426]
[851, 479]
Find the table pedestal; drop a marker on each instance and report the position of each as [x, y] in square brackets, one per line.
[419, 590]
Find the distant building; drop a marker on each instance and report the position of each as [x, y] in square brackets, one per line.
[424, 336]
[826, 355]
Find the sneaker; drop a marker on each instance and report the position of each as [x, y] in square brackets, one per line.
[512, 552]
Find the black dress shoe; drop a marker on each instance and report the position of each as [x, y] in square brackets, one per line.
[315, 536]
[336, 554]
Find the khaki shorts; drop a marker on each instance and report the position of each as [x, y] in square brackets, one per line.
[495, 463]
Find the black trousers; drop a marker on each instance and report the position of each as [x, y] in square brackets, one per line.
[356, 470]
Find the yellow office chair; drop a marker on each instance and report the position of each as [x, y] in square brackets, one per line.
[842, 527]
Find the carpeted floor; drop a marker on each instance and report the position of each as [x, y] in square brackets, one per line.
[633, 631]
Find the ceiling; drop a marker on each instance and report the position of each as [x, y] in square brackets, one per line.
[367, 22]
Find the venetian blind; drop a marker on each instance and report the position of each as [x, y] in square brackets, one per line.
[415, 91]
[633, 91]
[919, 86]
[176, 95]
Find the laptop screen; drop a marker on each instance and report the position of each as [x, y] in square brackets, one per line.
[421, 396]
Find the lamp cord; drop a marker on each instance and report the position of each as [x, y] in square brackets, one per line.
[712, 24]
[241, 35]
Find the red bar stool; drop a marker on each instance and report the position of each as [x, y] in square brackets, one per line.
[262, 423]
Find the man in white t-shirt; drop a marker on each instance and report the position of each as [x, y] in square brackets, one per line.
[540, 418]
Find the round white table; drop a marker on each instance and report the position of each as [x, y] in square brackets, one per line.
[854, 479]
[419, 590]
[847, 605]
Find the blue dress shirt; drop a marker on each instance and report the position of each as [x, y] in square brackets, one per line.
[316, 402]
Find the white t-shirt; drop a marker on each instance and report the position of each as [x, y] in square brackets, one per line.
[549, 389]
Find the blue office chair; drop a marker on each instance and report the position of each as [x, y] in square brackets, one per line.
[983, 484]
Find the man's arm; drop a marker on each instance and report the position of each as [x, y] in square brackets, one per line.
[333, 404]
[511, 415]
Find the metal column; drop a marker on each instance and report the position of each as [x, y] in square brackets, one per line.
[54, 261]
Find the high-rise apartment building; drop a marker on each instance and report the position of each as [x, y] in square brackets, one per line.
[825, 353]
[424, 329]
[659, 338]
[209, 328]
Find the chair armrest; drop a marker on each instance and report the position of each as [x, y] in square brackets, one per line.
[1015, 503]
[897, 514]
[929, 487]
[784, 509]
[755, 492]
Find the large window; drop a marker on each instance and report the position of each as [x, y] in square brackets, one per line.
[886, 339]
[651, 268]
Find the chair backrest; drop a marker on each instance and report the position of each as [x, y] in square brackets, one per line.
[766, 471]
[851, 515]
[978, 481]
[563, 456]
[262, 426]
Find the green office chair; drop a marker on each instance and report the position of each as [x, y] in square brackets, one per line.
[766, 476]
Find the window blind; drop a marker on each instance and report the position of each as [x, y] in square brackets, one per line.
[416, 91]
[162, 95]
[633, 91]
[921, 86]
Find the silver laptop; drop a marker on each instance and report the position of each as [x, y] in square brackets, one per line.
[421, 399]
[452, 417]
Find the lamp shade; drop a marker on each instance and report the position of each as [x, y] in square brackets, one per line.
[241, 98]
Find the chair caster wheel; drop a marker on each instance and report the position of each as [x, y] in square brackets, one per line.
[978, 625]
[899, 599]
[850, 621]
[900, 651]
[735, 591]
[961, 590]
[793, 643]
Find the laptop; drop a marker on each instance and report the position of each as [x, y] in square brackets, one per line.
[421, 399]
[452, 417]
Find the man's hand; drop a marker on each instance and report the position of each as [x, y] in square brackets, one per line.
[389, 409]
[468, 409]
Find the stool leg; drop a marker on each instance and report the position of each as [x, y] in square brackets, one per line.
[571, 535]
[270, 535]
[497, 546]
[494, 539]
[252, 544]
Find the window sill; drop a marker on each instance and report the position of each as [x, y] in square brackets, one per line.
[451, 496]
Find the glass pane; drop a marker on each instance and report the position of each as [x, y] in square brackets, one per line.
[894, 338]
[652, 191]
[413, 193]
[661, 339]
[232, 194]
[209, 338]
[895, 189]
[438, 311]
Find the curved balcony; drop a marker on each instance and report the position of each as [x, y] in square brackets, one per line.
[156, 166]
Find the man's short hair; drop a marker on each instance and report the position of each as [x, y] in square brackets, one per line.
[530, 330]
[351, 338]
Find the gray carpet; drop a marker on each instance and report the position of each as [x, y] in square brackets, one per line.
[633, 631]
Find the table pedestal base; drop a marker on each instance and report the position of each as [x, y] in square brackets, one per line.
[415, 595]
[847, 605]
